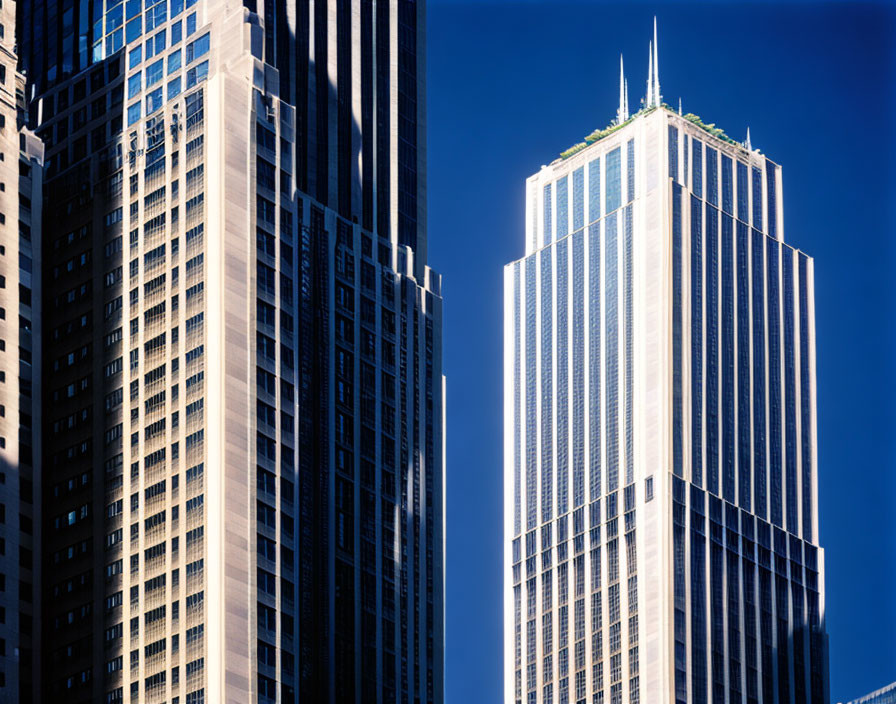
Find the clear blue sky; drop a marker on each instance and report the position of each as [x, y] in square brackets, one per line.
[512, 84]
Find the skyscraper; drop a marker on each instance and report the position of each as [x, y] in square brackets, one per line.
[661, 519]
[884, 695]
[21, 160]
[243, 493]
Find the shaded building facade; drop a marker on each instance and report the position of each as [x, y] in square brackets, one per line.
[251, 432]
[21, 161]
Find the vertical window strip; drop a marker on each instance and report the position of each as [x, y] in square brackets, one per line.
[547, 234]
[677, 404]
[750, 660]
[679, 591]
[594, 211]
[698, 599]
[712, 176]
[771, 185]
[759, 385]
[757, 198]
[531, 434]
[614, 184]
[612, 346]
[790, 467]
[712, 350]
[765, 623]
[735, 687]
[728, 437]
[562, 380]
[629, 351]
[697, 167]
[631, 171]
[696, 341]
[743, 193]
[805, 399]
[594, 357]
[517, 400]
[578, 370]
[578, 199]
[774, 383]
[744, 393]
[727, 186]
[717, 615]
[673, 153]
[562, 207]
[547, 404]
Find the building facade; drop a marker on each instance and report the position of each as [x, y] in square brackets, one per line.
[21, 163]
[661, 514]
[884, 695]
[243, 497]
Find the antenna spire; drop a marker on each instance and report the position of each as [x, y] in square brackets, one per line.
[622, 113]
[649, 100]
[679, 106]
[657, 98]
[747, 144]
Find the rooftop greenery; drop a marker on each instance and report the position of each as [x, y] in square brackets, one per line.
[598, 135]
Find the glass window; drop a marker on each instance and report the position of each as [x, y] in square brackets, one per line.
[197, 74]
[133, 113]
[174, 88]
[114, 18]
[177, 6]
[174, 62]
[578, 199]
[135, 55]
[197, 48]
[562, 207]
[191, 21]
[176, 30]
[133, 30]
[114, 42]
[594, 190]
[697, 167]
[154, 101]
[154, 72]
[134, 84]
[614, 185]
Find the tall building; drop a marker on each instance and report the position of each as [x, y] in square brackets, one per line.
[661, 522]
[884, 695]
[243, 466]
[21, 161]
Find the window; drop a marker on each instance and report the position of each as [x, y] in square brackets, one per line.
[154, 101]
[197, 48]
[197, 74]
[648, 489]
[134, 113]
[154, 73]
[134, 84]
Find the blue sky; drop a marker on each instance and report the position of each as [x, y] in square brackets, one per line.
[512, 84]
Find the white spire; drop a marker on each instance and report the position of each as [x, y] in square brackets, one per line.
[679, 106]
[621, 110]
[622, 113]
[747, 144]
[649, 100]
[657, 98]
